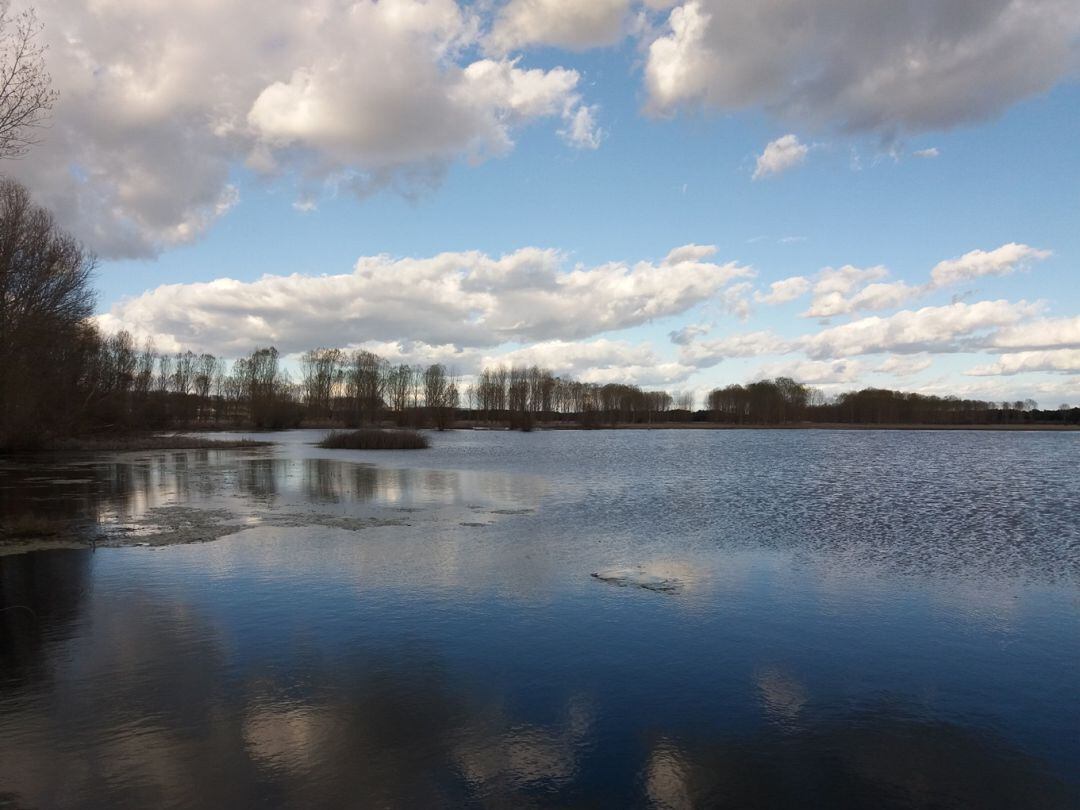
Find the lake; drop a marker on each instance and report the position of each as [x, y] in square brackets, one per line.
[782, 618]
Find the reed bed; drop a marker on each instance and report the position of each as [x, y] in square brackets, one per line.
[375, 439]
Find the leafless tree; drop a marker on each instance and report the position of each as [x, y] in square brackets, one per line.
[26, 93]
[45, 299]
[322, 373]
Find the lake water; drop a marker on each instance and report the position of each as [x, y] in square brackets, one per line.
[787, 619]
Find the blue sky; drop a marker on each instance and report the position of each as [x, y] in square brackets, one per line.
[175, 181]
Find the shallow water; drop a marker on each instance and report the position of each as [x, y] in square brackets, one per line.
[783, 618]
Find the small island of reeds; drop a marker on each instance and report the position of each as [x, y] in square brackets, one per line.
[375, 439]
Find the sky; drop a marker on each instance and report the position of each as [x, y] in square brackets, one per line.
[677, 194]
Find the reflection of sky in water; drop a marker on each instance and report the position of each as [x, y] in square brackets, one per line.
[814, 651]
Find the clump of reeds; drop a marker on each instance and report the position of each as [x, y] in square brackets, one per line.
[375, 439]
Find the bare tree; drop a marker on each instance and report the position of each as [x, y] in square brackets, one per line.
[26, 94]
[45, 299]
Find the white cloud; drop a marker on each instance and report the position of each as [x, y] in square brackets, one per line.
[597, 361]
[1045, 333]
[850, 289]
[736, 300]
[690, 253]
[568, 24]
[861, 65]
[931, 152]
[933, 329]
[847, 289]
[1061, 360]
[687, 334]
[904, 365]
[780, 155]
[581, 129]
[363, 96]
[466, 299]
[785, 290]
[748, 344]
[870, 297]
[812, 372]
[1001, 261]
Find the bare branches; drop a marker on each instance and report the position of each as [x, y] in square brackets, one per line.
[26, 94]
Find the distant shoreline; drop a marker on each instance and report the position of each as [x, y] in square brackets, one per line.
[809, 426]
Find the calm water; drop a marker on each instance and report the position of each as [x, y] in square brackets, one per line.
[846, 619]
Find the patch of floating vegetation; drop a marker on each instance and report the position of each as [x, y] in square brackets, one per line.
[375, 439]
[639, 577]
[179, 525]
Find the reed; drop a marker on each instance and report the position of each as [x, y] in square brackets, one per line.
[375, 439]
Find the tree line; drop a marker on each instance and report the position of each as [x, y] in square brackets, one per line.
[785, 401]
[61, 376]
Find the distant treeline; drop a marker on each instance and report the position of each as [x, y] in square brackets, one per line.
[784, 401]
[60, 376]
[111, 384]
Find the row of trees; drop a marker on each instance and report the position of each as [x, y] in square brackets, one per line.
[785, 401]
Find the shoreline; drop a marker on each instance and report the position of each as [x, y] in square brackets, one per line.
[1038, 427]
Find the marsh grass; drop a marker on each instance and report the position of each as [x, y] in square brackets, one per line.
[375, 439]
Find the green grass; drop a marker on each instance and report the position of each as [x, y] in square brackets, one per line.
[375, 439]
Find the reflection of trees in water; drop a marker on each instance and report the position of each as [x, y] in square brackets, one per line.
[41, 602]
[117, 491]
[260, 478]
[878, 757]
[91, 491]
[329, 480]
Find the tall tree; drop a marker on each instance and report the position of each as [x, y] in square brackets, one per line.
[45, 301]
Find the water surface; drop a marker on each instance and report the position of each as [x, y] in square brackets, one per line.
[877, 619]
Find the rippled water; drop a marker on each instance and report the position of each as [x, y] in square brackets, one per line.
[869, 619]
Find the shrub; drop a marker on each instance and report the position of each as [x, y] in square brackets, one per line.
[375, 439]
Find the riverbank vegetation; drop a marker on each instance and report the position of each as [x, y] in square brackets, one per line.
[64, 383]
[375, 439]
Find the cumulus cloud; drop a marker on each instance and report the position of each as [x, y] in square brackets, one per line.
[785, 290]
[1001, 261]
[930, 329]
[850, 289]
[847, 289]
[568, 24]
[466, 299]
[1059, 360]
[748, 344]
[363, 96]
[736, 300]
[812, 372]
[904, 365]
[931, 152]
[861, 65]
[1044, 333]
[780, 155]
[597, 361]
